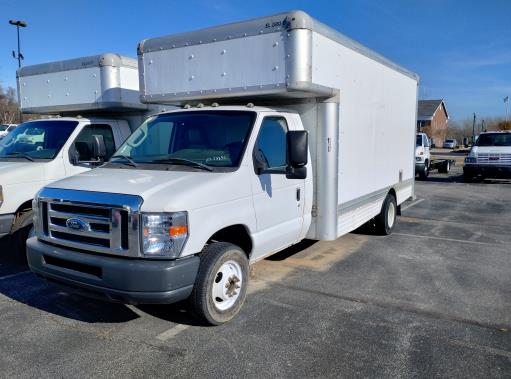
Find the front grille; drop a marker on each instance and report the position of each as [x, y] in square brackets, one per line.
[494, 159]
[89, 226]
[98, 228]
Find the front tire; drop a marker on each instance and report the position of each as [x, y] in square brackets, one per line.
[468, 178]
[424, 173]
[221, 284]
[19, 240]
[386, 220]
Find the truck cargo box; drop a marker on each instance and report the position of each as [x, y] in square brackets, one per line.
[107, 82]
[285, 55]
[358, 107]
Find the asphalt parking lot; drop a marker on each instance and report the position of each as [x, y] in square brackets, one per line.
[432, 299]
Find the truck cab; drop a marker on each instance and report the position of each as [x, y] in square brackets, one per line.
[422, 155]
[41, 151]
[490, 157]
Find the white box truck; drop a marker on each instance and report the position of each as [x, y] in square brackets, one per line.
[40, 151]
[288, 130]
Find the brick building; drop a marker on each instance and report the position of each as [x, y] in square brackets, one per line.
[432, 119]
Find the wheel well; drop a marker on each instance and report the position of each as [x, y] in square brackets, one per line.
[235, 234]
[23, 216]
[26, 206]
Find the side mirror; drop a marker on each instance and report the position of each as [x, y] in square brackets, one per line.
[297, 148]
[74, 156]
[297, 154]
[98, 147]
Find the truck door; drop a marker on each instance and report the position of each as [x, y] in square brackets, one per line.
[278, 201]
[81, 148]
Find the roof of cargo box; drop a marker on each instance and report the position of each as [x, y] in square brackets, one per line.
[283, 21]
[101, 60]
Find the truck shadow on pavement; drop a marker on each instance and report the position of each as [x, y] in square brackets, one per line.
[19, 284]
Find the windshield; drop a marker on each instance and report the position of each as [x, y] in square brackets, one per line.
[419, 141]
[494, 139]
[37, 139]
[449, 140]
[212, 138]
[3, 128]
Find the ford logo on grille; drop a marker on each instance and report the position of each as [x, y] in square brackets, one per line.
[77, 224]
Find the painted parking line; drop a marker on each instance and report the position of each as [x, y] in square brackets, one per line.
[172, 332]
[449, 239]
[413, 203]
[11, 276]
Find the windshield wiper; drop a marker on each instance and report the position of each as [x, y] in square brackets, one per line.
[23, 155]
[187, 162]
[130, 161]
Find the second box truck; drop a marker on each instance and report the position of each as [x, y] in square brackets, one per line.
[288, 130]
[98, 95]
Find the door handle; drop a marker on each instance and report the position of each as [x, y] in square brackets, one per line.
[298, 194]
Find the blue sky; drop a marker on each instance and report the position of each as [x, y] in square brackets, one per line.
[460, 48]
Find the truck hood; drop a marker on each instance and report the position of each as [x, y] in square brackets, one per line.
[21, 172]
[163, 190]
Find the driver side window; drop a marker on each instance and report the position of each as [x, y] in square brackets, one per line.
[271, 141]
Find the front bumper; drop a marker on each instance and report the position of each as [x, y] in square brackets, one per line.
[124, 280]
[6, 222]
[488, 171]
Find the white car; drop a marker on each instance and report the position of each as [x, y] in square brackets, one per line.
[6, 129]
[450, 144]
[490, 157]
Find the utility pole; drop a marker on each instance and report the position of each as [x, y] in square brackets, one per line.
[482, 126]
[506, 101]
[19, 24]
[474, 130]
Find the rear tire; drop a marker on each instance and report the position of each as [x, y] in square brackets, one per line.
[221, 284]
[445, 167]
[386, 220]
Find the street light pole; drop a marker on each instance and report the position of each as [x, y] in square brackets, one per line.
[474, 130]
[19, 56]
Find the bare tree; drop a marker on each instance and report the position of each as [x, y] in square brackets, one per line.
[9, 110]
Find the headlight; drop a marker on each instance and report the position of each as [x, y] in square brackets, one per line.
[470, 160]
[164, 234]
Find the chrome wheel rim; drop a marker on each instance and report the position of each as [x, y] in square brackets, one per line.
[227, 284]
